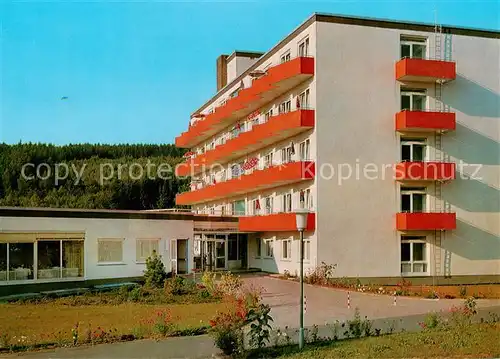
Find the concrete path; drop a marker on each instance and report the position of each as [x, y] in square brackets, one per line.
[324, 306]
[327, 304]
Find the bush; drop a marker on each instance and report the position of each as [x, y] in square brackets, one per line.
[155, 273]
[230, 285]
[208, 280]
[135, 294]
[322, 274]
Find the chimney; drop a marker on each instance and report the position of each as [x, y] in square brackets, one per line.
[221, 71]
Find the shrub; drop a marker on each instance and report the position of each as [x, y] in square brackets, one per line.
[354, 326]
[260, 327]
[322, 274]
[227, 329]
[163, 323]
[135, 294]
[230, 285]
[431, 321]
[155, 273]
[208, 280]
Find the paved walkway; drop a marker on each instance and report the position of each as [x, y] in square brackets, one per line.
[324, 305]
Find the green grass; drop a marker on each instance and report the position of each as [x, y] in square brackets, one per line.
[475, 341]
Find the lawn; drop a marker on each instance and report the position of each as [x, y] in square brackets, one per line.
[474, 341]
[53, 322]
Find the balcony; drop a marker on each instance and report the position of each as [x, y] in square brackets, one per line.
[425, 221]
[258, 180]
[277, 80]
[423, 70]
[425, 121]
[425, 171]
[278, 128]
[278, 222]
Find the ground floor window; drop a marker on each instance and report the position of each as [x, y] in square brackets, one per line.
[259, 248]
[232, 247]
[286, 249]
[25, 257]
[110, 250]
[269, 248]
[413, 255]
[307, 250]
[145, 248]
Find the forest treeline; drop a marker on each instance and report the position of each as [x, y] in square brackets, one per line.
[90, 176]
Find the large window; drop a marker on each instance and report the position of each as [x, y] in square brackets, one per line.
[304, 99]
[239, 208]
[412, 199]
[412, 149]
[145, 249]
[286, 249]
[413, 99]
[305, 199]
[413, 255]
[40, 256]
[413, 47]
[110, 250]
[269, 205]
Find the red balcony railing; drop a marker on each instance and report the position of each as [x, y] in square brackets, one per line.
[258, 180]
[424, 121]
[277, 81]
[277, 222]
[277, 128]
[425, 221]
[425, 171]
[424, 70]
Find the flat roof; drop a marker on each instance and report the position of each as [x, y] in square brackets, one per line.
[109, 214]
[357, 21]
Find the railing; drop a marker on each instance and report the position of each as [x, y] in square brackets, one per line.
[424, 58]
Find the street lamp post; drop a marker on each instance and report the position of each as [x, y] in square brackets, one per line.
[301, 221]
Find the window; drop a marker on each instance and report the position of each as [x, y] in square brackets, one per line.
[305, 199]
[286, 249]
[413, 255]
[223, 210]
[287, 202]
[259, 247]
[268, 115]
[412, 150]
[304, 148]
[145, 249]
[212, 210]
[412, 199]
[269, 205]
[239, 208]
[285, 106]
[110, 250]
[285, 57]
[232, 247]
[286, 154]
[304, 99]
[269, 248]
[413, 47]
[304, 47]
[307, 250]
[255, 207]
[268, 160]
[413, 99]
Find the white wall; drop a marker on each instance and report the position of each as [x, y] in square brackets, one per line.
[238, 65]
[129, 229]
[357, 98]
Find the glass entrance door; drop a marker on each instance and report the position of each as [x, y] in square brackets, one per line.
[220, 255]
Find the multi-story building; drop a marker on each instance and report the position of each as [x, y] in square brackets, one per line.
[388, 132]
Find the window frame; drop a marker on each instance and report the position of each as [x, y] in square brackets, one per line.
[269, 247]
[305, 43]
[426, 262]
[285, 57]
[405, 191]
[413, 41]
[286, 253]
[304, 98]
[114, 240]
[259, 248]
[411, 93]
[412, 143]
[141, 260]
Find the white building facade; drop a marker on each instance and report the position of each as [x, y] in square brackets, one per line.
[387, 132]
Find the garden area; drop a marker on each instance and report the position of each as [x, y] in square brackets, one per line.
[323, 275]
[162, 307]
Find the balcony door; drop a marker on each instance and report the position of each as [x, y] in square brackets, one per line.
[413, 99]
[413, 150]
[415, 48]
[413, 199]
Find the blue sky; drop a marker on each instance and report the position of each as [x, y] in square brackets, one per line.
[134, 71]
